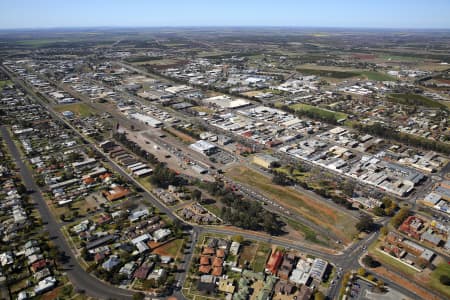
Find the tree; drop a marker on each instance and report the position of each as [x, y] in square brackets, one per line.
[238, 239]
[319, 296]
[401, 216]
[362, 272]
[370, 262]
[445, 279]
[365, 224]
[138, 296]
[197, 195]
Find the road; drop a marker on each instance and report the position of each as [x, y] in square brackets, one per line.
[79, 277]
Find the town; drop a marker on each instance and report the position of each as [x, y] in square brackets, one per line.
[259, 163]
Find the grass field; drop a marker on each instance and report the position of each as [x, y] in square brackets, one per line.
[442, 269]
[328, 73]
[315, 211]
[414, 99]
[377, 76]
[319, 111]
[80, 109]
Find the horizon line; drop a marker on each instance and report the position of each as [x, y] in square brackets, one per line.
[221, 26]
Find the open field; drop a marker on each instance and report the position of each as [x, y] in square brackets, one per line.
[414, 99]
[80, 109]
[319, 111]
[320, 214]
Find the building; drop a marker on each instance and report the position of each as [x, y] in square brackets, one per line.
[204, 147]
[274, 262]
[319, 266]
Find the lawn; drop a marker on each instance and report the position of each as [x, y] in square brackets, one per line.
[80, 109]
[315, 211]
[319, 111]
[414, 99]
[377, 76]
[442, 269]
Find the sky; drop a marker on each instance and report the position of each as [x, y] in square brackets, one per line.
[161, 13]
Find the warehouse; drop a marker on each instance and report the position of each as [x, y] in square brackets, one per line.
[204, 147]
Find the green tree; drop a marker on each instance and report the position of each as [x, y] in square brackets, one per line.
[365, 224]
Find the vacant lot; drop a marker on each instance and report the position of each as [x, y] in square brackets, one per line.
[319, 111]
[248, 253]
[322, 215]
[259, 261]
[414, 99]
[80, 109]
[171, 248]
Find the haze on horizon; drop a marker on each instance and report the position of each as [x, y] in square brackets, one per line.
[404, 14]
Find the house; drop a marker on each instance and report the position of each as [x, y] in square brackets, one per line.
[138, 214]
[38, 265]
[217, 271]
[128, 269]
[157, 275]
[143, 270]
[234, 248]
[161, 234]
[6, 258]
[111, 263]
[45, 285]
[41, 274]
[116, 193]
[274, 262]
